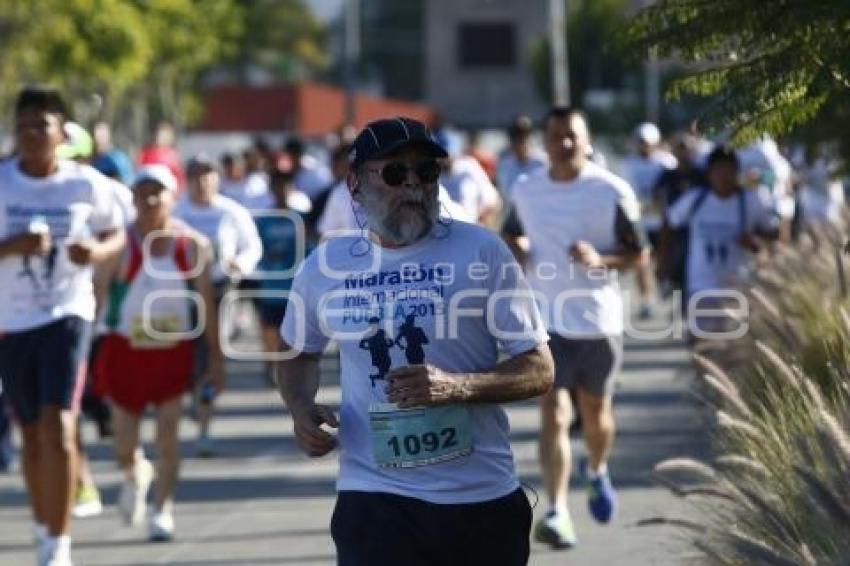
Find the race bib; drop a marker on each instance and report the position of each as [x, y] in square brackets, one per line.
[421, 436]
[140, 339]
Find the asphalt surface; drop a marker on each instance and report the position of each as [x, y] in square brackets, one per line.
[260, 501]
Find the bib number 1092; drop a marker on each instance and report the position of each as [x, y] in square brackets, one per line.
[413, 444]
[419, 436]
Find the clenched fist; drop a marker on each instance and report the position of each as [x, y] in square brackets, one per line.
[32, 243]
[585, 254]
[314, 441]
[419, 385]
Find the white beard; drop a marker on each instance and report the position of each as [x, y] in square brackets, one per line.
[403, 220]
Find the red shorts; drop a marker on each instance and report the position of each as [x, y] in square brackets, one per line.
[134, 378]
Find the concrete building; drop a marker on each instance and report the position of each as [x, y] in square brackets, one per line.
[477, 59]
[467, 59]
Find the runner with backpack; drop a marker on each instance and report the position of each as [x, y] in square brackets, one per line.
[723, 225]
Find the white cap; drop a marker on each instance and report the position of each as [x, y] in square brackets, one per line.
[648, 133]
[157, 173]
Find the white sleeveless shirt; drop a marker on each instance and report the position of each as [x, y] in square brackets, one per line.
[149, 301]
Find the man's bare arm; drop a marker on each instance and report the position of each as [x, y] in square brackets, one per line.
[526, 375]
[298, 380]
[585, 254]
[104, 273]
[519, 246]
[99, 249]
[298, 383]
[624, 260]
[202, 251]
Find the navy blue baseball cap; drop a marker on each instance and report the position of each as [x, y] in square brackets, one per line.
[383, 137]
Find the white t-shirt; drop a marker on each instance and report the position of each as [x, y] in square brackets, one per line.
[295, 200]
[230, 229]
[762, 163]
[822, 204]
[452, 209]
[509, 168]
[312, 177]
[714, 255]
[339, 211]
[124, 200]
[643, 172]
[78, 203]
[418, 281]
[763, 157]
[593, 207]
[468, 185]
[251, 192]
[821, 194]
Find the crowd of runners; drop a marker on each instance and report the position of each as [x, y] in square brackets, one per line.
[451, 279]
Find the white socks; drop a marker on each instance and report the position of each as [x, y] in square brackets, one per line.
[557, 510]
[40, 532]
[60, 541]
[595, 474]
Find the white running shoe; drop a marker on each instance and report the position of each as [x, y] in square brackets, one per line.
[87, 502]
[55, 551]
[161, 526]
[132, 500]
[556, 529]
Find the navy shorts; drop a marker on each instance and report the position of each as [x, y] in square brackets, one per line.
[591, 364]
[382, 529]
[45, 366]
[272, 313]
[201, 357]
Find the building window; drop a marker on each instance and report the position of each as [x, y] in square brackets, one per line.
[490, 44]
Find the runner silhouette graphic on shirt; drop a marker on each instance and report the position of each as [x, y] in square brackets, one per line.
[47, 272]
[50, 263]
[414, 338]
[379, 347]
[27, 271]
[723, 253]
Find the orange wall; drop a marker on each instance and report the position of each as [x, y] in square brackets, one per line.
[234, 108]
[312, 109]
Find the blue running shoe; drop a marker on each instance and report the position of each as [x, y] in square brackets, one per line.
[601, 498]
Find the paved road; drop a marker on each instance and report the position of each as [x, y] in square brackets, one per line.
[262, 502]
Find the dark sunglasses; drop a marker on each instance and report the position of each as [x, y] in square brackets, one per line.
[395, 172]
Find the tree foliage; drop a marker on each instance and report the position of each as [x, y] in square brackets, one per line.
[281, 36]
[595, 49]
[767, 65]
[143, 60]
[78, 45]
[187, 37]
[596, 59]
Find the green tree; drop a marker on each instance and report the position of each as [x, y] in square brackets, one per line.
[144, 60]
[81, 46]
[596, 58]
[187, 38]
[282, 37]
[140, 59]
[595, 49]
[766, 65]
